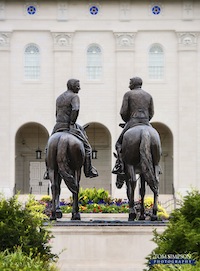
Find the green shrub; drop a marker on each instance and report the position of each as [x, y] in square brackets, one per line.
[19, 261]
[94, 195]
[182, 235]
[23, 226]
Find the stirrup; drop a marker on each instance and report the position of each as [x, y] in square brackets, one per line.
[46, 176]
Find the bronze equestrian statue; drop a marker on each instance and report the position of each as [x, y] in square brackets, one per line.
[138, 147]
[68, 150]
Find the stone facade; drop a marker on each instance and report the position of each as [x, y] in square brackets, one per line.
[124, 32]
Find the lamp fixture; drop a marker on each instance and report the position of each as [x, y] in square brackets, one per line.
[38, 154]
[38, 151]
[94, 151]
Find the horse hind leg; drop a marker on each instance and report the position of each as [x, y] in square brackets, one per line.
[142, 194]
[131, 185]
[58, 190]
[75, 208]
[53, 191]
[154, 189]
[154, 216]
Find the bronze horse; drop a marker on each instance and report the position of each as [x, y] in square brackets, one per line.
[65, 158]
[141, 152]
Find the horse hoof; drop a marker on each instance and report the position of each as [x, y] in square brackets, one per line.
[76, 216]
[154, 218]
[58, 214]
[141, 217]
[131, 217]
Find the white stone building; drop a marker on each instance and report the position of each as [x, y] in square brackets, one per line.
[103, 44]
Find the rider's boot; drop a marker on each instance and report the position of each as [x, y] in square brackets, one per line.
[89, 170]
[119, 166]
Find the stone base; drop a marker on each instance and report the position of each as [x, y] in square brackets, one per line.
[103, 245]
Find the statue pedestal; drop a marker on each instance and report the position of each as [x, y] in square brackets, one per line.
[100, 244]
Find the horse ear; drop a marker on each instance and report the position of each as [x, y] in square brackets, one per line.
[115, 154]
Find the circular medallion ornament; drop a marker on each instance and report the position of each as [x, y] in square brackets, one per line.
[94, 10]
[31, 10]
[156, 10]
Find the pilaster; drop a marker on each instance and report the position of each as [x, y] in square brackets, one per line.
[188, 114]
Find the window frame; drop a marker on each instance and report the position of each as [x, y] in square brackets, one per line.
[94, 67]
[156, 63]
[32, 63]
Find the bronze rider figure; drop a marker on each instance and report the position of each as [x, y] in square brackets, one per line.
[137, 109]
[67, 111]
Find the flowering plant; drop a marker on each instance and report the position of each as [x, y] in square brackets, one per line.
[92, 200]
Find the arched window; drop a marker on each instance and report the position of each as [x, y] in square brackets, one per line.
[32, 62]
[156, 62]
[94, 63]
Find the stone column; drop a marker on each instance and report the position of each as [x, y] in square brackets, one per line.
[7, 146]
[125, 53]
[62, 60]
[188, 111]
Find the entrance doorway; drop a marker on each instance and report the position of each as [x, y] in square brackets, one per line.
[38, 186]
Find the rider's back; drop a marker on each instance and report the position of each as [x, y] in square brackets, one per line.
[64, 105]
[137, 104]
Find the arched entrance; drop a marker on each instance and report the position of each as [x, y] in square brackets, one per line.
[29, 165]
[166, 178]
[100, 141]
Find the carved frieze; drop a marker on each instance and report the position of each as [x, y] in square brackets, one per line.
[5, 40]
[187, 40]
[62, 41]
[124, 41]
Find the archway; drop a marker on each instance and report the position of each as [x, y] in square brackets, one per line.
[100, 141]
[29, 168]
[166, 163]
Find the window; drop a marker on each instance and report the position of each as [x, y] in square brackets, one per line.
[94, 63]
[32, 62]
[156, 62]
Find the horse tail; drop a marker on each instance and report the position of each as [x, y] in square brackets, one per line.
[146, 160]
[63, 166]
